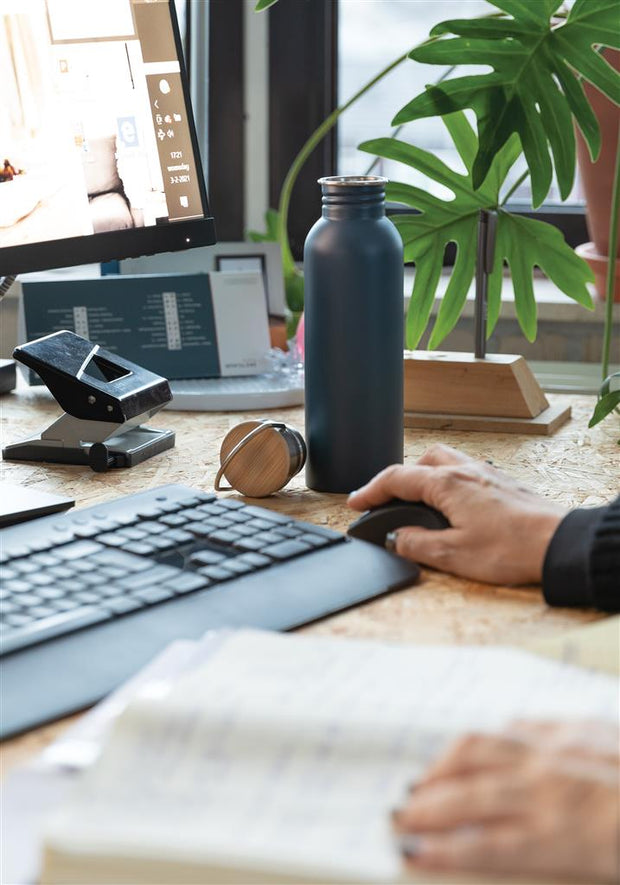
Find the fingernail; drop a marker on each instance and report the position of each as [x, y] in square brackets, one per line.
[390, 541]
[409, 845]
[395, 814]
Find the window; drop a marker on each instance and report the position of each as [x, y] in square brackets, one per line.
[321, 53]
[371, 33]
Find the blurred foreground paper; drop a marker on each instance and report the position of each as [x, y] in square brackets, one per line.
[280, 757]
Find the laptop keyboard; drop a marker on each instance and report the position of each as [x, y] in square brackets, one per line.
[111, 561]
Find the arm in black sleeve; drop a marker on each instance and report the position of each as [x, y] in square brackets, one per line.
[582, 565]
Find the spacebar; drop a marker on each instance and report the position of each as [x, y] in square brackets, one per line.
[47, 628]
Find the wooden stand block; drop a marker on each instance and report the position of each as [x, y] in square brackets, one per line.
[460, 392]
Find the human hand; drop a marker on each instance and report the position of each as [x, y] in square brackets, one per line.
[499, 531]
[543, 799]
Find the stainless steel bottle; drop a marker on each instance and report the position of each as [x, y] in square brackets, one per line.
[354, 318]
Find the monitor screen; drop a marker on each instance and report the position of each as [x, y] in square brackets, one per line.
[98, 153]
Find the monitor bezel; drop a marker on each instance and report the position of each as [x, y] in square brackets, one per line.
[130, 242]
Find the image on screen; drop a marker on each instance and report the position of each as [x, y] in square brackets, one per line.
[94, 133]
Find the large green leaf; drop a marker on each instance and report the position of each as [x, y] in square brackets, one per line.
[534, 89]
[523, 243]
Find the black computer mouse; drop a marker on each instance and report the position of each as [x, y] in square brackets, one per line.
[375, 524]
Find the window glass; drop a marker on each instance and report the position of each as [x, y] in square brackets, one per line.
[372, 33]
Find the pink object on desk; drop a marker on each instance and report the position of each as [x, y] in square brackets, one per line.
[299, 337]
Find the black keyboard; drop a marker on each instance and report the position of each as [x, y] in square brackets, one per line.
[88, 597]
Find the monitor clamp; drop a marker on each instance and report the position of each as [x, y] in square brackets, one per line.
[106, 400]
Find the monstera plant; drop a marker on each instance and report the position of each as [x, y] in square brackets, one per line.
[528, 104]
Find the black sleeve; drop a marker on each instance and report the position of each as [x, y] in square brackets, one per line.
[582, 565]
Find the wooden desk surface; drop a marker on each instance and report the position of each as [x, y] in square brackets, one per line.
[576, 466]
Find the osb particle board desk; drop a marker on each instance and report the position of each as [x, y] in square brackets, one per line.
[577, 466]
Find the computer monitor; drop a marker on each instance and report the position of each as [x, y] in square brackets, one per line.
[98, 153]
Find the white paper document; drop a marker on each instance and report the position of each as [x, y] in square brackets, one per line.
[284, 754]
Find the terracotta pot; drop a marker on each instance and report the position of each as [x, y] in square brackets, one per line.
[598, 181]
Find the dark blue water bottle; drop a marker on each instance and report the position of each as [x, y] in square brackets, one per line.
[353, 316]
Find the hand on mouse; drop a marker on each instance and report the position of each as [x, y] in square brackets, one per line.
[540, 800]
[499, 531]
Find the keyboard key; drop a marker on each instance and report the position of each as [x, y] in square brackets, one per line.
[112, 571]
[87, 531]
[246, 530]
[231, 503]
[51, 593]
[113, 539]
[257, 560]
[152, 594]
[168, 506]
[150, 527]
[224, 537]
[173, 520]
[41, 579]
[77, 550]
[314, 540]
[260, 524]
[160, 543]
[200, 529]
[64, 605]
[120, 605]
[82, 565]
[289, 531]
[156, 575]
[191, 514]
[55, 625]
[86, 596]
[238, 567]
[41, 611]
[200, 498]
[134, 533]
[8, 608]
[27, 600]
[7, 574]
[61, 572]
[17, 620]
[178, 535]
[269, 537]
[149, 512]
[187, 582]
[19, 586]
[286, 549]
[248, 544]
[45, 559]
[221, 522]
[237, 516]
[216, 573]
[211, 509]
[92, 579]
[206, 557]
[140, 548]
[120, 559]
[25, 566]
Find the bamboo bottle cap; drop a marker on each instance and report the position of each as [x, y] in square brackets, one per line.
[260, 457]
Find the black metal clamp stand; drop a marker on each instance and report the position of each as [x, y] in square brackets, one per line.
[485, 256]
[105, 397]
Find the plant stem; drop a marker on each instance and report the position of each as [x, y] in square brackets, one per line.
[517, 184]
[318, 134]
[611, 263]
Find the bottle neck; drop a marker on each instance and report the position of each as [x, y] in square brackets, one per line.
[339, 209]
[350, 197]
